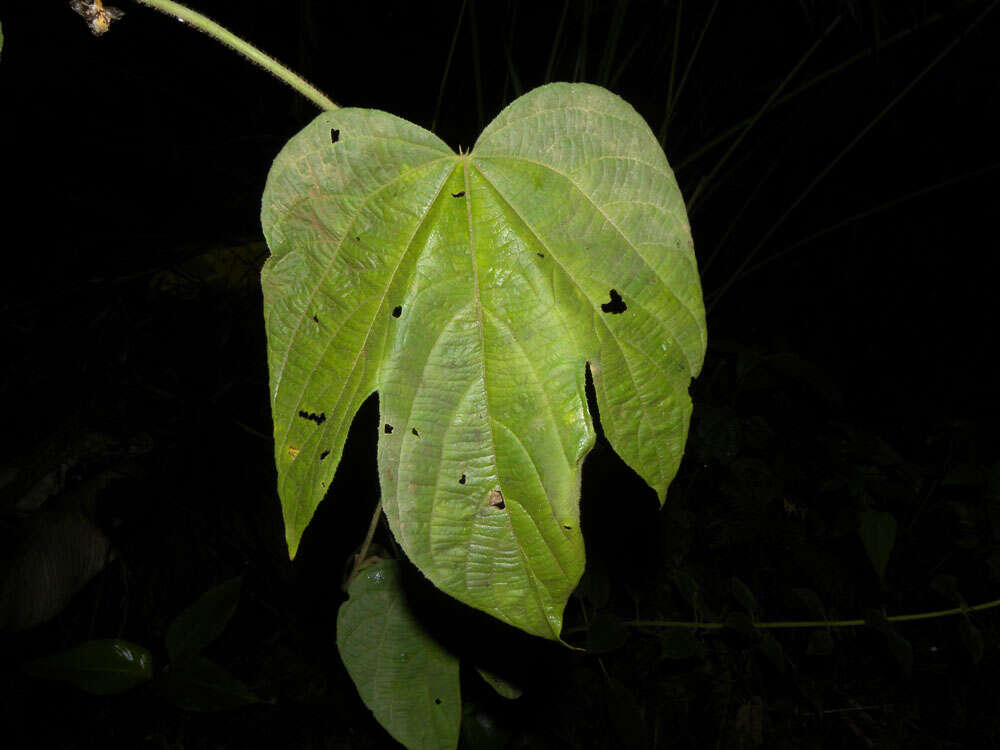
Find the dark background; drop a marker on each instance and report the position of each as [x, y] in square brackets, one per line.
[856, 372]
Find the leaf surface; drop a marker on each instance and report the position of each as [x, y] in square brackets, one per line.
[199, 684]
[471, 291]
[102, 667]
[204, 620]
[408, 680]
[877, 530]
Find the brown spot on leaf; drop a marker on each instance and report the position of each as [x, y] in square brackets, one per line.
[496, 499]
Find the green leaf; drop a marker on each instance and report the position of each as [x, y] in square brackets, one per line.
[102, 667]
[504, 688]
[972, 639]
[899, 647]
[407, 679]
[471, 290]
[811, 601]
[770, 648]
[878, 533]
[688, 588]
[202, 622]
[820, 643]
[681, 643]
[947, 586]
[199, 684]
[743, 595]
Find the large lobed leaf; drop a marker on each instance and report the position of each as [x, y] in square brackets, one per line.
[471, 290]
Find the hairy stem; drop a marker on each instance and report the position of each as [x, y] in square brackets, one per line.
[226, 37]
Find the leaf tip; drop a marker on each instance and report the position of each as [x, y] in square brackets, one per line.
[292, 538]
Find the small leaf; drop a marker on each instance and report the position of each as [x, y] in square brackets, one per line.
[404, 676]
[878, 533]
[606, 632]
[202, 622]
[769, 646]
[504, 689]
[688, 588]
[947, 586]
[743, 595]
[681, 643]
[101, 667]
[903, 651]
[199, 684]
[972, 639]
[812, 603]
[741, 623]
[899, 647]
[820, 643]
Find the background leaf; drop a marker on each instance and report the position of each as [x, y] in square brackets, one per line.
[199, 684]
[820, 643]
[900, 648]
[202, 622]
[743, 595]
[472, 291]
[102, 667]
[405, 676]
[811, 601]
[972, 639]
[878, 534]
[505, 689]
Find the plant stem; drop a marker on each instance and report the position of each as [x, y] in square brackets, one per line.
[226, 37]
[360, 557]
[812, 623]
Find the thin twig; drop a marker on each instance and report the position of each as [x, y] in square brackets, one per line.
[360, 556]
[813, 623]
[738, 273]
